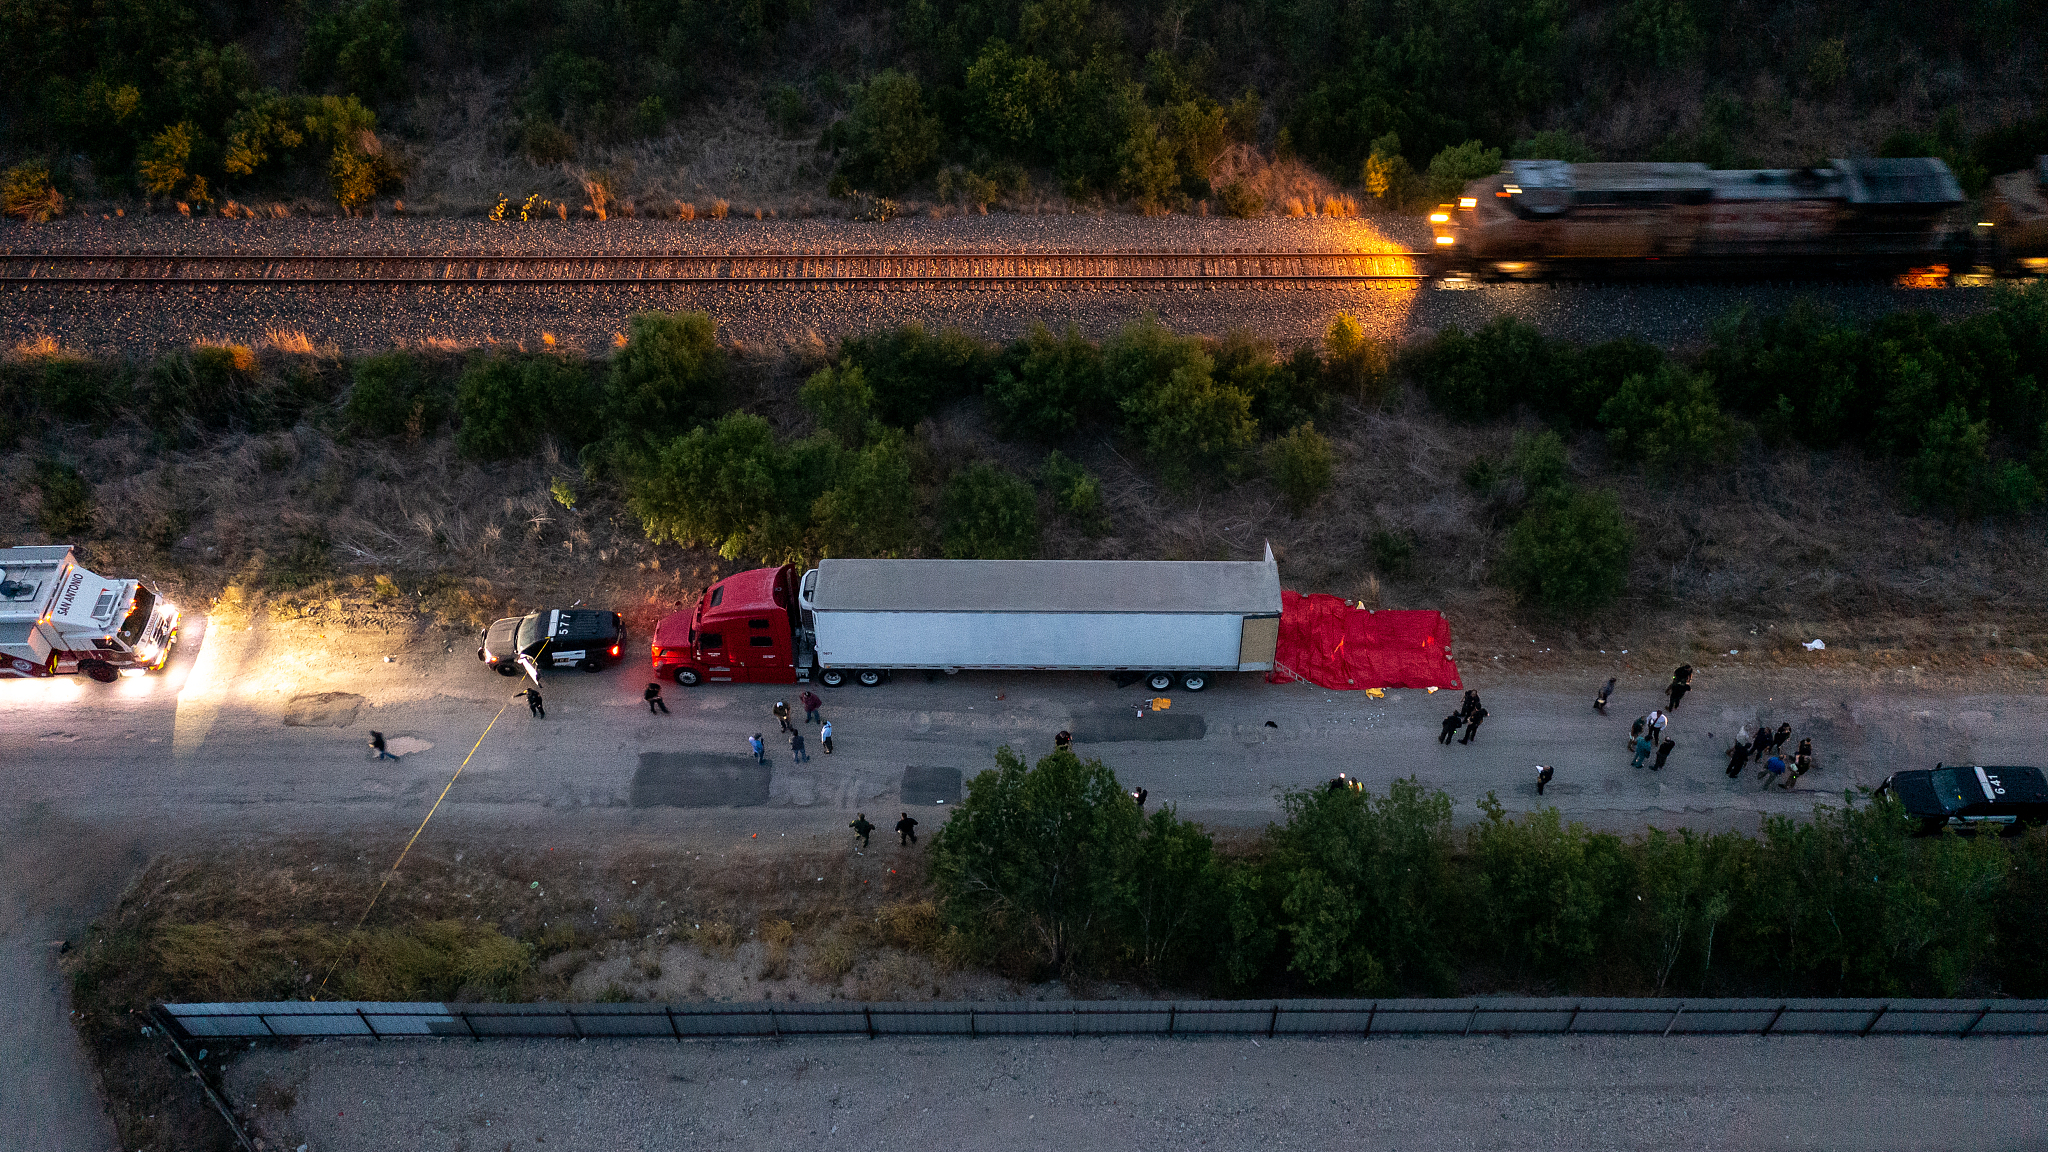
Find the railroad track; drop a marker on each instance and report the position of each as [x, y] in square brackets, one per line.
[48, 269]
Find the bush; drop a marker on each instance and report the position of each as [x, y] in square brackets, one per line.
[510, 405]
[1144, 355]
[988, 514]
[727, 486]
[840, 402]
[1241, 201]
[1570, 555]
[1076, 494]
[204, 389]
[1354, 363]
[26, 193]
[1047, 387]
[1042, 858]
[1553, 144]
[1483, 375]
[668, 379]
[889, 140]
[914, 373]
[870, 510]
[1543, 466]
[67, 510]
[359, 49]
[1669, 421]
[1302, 467]
[392, 395]
[1551, 892]
[1387, 175]
[1392, 552]
[1194, 428]
[1954, 471]
[1456, 166]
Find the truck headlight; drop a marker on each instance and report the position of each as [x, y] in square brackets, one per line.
[147, 650]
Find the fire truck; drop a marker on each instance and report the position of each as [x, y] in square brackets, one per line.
[57, 617]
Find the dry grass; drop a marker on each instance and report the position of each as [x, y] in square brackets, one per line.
[290, 341]
[39, 347]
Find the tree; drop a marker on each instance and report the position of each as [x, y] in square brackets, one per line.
[1547, 892]
[871, 510]
[890, 139]
[1048, 385]
[1075, 493]
[1194, 428]
[1481, 376]
[392, 395]
[1354, 362]
[841, 403]
[1045, 854]
[726, 486]
[914, 373]
[1302, 466]
[1176, 897]
[1458, 165]
[988, 514]
[1570, 555]
[510, 405]
[669, 378]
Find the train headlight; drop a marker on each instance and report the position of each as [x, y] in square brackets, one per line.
[1447, 239]
[1467, 202]
[1439, 218]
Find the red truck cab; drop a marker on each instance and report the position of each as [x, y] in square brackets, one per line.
[744, 629]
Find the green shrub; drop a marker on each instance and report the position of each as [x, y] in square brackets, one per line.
[1540, 462]
[1076, 494]
[914, 373]
[1553, 144]
[1584, 379]
[1552, 893]
[1458, 165]
[668, 379]
[1144, 355]
[1194, 428]
[27, 193]
[206, 388]
[359, 49]
[67, 509]
[88, 391]
[1570, 555]
[1481, 376]
[1302, 466]
[889, 140]
[1249, 364]
[1954, 471]
[1669, 421]
[727, 486]
[1042, 857]
[1354, 363]
[1048, 386]
[869, 511]
[1387, 175]
[840, 402]
[510, 405]
[1175, 898]
[1392, 552]
[988, 514]
[1241, 201]
[392, 395]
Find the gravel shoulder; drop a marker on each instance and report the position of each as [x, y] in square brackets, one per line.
[1477, 1093]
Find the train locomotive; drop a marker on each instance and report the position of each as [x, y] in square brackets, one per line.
[2019, 221]
[1548, 218]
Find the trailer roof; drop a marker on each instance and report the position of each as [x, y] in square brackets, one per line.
[1195, 587]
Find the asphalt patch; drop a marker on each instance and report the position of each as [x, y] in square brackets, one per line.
[322, 710]
[923, 785]
[1124, 726]
[698, 780]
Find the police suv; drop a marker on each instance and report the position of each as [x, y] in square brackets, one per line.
[583, 638]
[1970, 796]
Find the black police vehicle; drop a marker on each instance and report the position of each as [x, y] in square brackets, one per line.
[1969, 796]
[583, 638]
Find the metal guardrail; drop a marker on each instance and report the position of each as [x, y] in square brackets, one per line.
[1487, 1016]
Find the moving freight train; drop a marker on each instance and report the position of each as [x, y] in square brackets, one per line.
[2019, 221]
[1549, 218]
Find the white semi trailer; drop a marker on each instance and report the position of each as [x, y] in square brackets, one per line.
[1167, 620]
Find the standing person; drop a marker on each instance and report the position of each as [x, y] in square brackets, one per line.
[1471, 703]
[906, 831]
[1600, 701]
[1544, 772]
[1760, 747]
[1643, 748]
[1804, 755]
[1472, 723]
[825, 737]
[1341, 783]
[796, 747]
[1738, 756]
[1062, 740]
[1139, 795]
[782, 715]
[760, 748]
[1774, 771]
[653, 698]
[377, 742]
[1636, 729]
[1681, 683]
[1664, 751]
[1656, 721]
[811, 705]
[533, 703]
[1452, 723]
[862, 829]
[1779, 737]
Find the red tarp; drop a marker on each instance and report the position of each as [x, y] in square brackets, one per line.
[1327, 642]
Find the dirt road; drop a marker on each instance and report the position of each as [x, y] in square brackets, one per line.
[1529, 1092]
[261, 733]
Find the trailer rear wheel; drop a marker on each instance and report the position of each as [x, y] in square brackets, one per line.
[99, 670]
[687, 677]
[869, 678]
[1159, 681]
[1194, 681]
[831, 677]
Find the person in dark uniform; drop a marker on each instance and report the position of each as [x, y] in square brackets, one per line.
[1062, 740]
[1471, 703]
[1341, 783]
[1473, 720]
[1664, 751]
[377, 742]
[1779, 737]
[1600, 701]
[906, 831]
[1681, 683]
[1139, 795]
[862, 829]
[1452, 723]
[653, 698]
[782, 715]
[1544, 773]
[1761, 746]
[1738, 757]
[533, 703]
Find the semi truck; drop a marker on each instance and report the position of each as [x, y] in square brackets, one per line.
[861, 620]
[57, 617]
